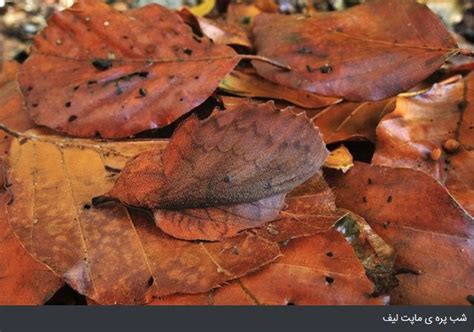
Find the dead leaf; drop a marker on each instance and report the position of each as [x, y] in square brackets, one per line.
[348, 121]
[23, 280]
[242, 155]
[431, 233]
[433, 132]
[251, 86]
[377, 257]
[340, 159]
[106, 254]
[218, 30]
[317, 270]
[12, 113]
[369, 52]
[97, 72]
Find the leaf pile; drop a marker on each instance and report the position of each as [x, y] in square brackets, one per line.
[150, 165]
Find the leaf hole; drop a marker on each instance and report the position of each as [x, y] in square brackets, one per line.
[329, 280]
[329, 254]
[67, 104]
[151, 281]
[87, 206]
[72, 118]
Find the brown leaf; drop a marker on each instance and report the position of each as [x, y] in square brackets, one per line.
[340, 158]
[242, 155]
[431, 233]
[370, 52]
[219, 31]
[352, 121]
[108, 254]
[97, 72]
[23, 280]
[251, 85]
[320, 269]
[433, 132]
[12, 113]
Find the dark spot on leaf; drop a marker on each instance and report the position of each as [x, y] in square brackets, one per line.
[98, 135]
[151, 281]
[87, 206]
[196, 77]
[329, 280]
[325, 69]
[290, 303]
[142, 92]
[228, 179]
[67, 104]
[181, 99]
[125, 37]
[245, 20]
[72, 118]
[405, 270]
[470, 299]
[76, 88]
[304, 50]
[329, 254]
[309, 69]
[369, 181]
[364, 199]
[91, 82]
[389, 199]
[197, 39]
[188, 51]
[143, 74]
[112, 169]
[35, 104]
[102, 64]
[29, 88]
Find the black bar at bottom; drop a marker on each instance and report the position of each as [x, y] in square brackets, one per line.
[242, 319]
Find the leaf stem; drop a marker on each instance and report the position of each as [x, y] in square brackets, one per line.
[265, 59]
[11, 132]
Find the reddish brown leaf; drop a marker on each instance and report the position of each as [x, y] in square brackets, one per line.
[241, 155]
[94, 71]
[370, 52]
[220, 31]
[108, 254]
[23, 280]
[434, 132]
[352, 121]
[320, 269]
[431, 233]
[12, 113]
[253, 86]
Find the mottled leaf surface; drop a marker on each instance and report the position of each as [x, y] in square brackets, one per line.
[318, 270]
[431, 234]
[97, 72]
[107, 254]
[369, 52]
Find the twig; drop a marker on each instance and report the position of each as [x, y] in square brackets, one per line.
[11, 132]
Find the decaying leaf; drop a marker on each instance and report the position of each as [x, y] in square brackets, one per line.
[253, 86]
[97, 72]
[242, 155]
[431, 233]
[340, 159]
[12, 113]
[377, 257]
[219, 31]
[320, 269]
[105, 253]
[348, 121]
[23, 280]
[369, 52]
[434, 132]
